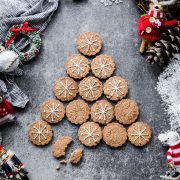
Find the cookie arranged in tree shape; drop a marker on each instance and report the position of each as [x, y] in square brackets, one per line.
[90, 134]
[126, 111]
[103, 66]
[102, 112]
[114, 135]
[90, 88]
[77, 66]
[139, 134]
[52, 111]
[77, 111]
[60, 146]
[115, 88]
[65, 88]
[89, 43]
[40, 133]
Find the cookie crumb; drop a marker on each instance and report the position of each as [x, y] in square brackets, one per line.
[76, 156]
[63, 161]
[58, 168]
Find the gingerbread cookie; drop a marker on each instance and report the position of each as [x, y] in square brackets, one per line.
[126, 111]
[77, 66]
[139, 134]
[77, 111]
[52, 111]
[114, 135]
[65, 88]
[90, 88]
[90, 134]
[40, 133]
[89, 43]
[115, 88]
[60, 146]
[76, 156]
[102, 112]
[103, 66]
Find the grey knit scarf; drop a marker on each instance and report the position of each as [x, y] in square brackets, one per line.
[38, 13]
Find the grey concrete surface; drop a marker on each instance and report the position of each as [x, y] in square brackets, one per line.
[117, 27]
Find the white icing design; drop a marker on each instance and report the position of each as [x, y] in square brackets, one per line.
[40, 132]
[103, 111]
[77, 66]
[90, 87]
[139, 134]
[89, 43]
[52, 111]
[89, 133]
[65, 88]
[115, 88]
[102, 66]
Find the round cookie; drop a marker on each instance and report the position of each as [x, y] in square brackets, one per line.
[40, 133]
[90, 88]
[60, 146]
[115, 88]
[65, 88]
[103, 66]
[89, 43]
[126, 111]
[102, 112]
[77, 111]
[77, 66]
[139, 133]
[114, 135]
[90, 134]
[52, 111]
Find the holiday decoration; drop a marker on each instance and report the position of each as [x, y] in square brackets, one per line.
[9, 60]
[11, 165]
[150, 26]
[29, 32]
[6, 111]
[172, 140]
[165, 48]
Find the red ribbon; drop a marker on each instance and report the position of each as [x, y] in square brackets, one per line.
[17, 31]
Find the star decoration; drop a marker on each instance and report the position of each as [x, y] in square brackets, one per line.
[89, 43]
[103, 111]
[139, 134]
[40, 132]
[90, 87]
[89, 133]
[65, 88]
[52, 111]
[115, 87]
[102, 66]
[77, 66]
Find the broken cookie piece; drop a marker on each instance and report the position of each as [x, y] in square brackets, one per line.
[76, 156]
[60, 146]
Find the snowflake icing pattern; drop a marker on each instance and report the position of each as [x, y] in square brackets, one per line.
[103, 112]
[115, 88]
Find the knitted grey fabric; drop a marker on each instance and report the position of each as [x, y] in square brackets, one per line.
[38, 13]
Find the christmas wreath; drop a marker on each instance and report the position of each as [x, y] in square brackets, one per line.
[31, 33]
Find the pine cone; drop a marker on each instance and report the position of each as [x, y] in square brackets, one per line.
[164, 49]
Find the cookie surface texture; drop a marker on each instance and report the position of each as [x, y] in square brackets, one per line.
[102, 112]
[77, 111]
[40, 133]
[114, 135]
[65, 88]
[115, 88]
[77, 66]
[103, 66]
[90, 134]
[89, 43]
[76, 156]
[60, 146]
[139, 133]
[90, 88]
[126, 111]
[52, 111]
